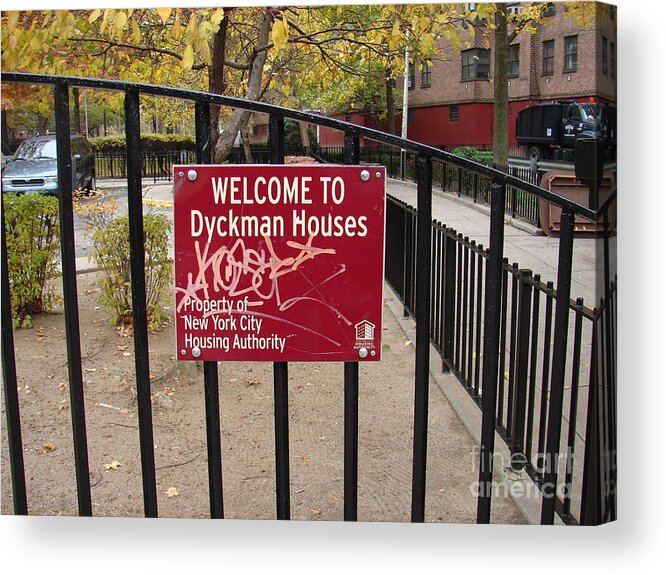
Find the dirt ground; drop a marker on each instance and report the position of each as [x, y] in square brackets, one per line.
[246, 398]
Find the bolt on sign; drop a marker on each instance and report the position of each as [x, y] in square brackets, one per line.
[279, 263]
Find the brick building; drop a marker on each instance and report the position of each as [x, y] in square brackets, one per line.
[451, 101]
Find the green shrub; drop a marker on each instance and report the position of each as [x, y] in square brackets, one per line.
[471, 153]
[149, 143]
[111, 252]
[32, 230]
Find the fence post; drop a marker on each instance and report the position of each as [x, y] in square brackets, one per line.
[211, 375]
[559, 364]
[137, 259]
[280, 369]
[14, 436]
[493, 303]
[422, 371]
[521, 368]
[351, 156]
[70, 299]
[449, 299]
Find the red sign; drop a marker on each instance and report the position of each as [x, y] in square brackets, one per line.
[279, 263]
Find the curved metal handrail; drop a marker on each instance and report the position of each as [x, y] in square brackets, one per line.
[312, 118]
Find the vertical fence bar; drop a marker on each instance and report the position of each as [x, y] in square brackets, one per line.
[280, 369]
[573, 406]
[463, 320]
[351, 156]
[70, 298]
[491, 336]
[521, 368]
[281, 393]
[211, 374]
[559, 364]
[609, 363]
[449, 298]
[590, 507]
[137, 258]
[422, 371]
[545, 375]
[533, 368]
[10, 383]
[479, 303]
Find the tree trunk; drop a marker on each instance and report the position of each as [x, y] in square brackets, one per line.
[245, 139]
[305, 137]
[239, 118]
[501, 89]
[390, 104]
[216, 82]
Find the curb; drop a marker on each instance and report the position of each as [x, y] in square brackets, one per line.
[157, 203]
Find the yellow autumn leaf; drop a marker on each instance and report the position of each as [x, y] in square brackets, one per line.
[280, 33]
[171, 492]
[164, 14]
[136, 32]
[12, 20]
[113, 465]
[188, 58]
[94, 15]
[120, 21]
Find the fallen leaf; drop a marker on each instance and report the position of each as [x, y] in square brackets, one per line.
[121, 347]
[113, 465]
[171, 492]
[315, 512]
[46, 447]
[90, 369]
[303, 456]
[62, 407]
[408, 342]
[126, 353]
[250, 382]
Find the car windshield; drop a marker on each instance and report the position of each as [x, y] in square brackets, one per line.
[592, 112]
[37, 150]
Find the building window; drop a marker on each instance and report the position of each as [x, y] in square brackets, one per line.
[612, 59]
[604, 55]
[426, 74]
[454, 112]
[475, 64]
[513, 8]
[548, 67]
[548, 9]
[410, 115]
[514, 61]
[570, 53]
[412, 76]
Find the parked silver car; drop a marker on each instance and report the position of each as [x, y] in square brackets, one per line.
[34, 166]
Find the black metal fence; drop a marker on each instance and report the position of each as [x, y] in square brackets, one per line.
[159, 165]
[460, 316]
[457, 323]
[452, 179]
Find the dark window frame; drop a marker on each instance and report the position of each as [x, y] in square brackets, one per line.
[411, 112]
[571, 55]
[475, 64]
[454, 112]
[412, 76]
[426, 75]
[548, 58]
[513, 61]
[613, 56]
[604, 55]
